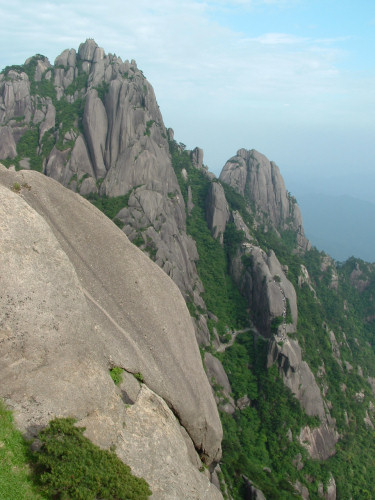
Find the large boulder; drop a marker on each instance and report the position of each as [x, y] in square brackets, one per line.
[77, 299]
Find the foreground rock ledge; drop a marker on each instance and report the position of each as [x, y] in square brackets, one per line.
[78, 298]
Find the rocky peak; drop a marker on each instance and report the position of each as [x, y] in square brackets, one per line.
[100, 132]
[251, 174]
[87, 50]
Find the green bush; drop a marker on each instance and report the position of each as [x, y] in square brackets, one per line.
[72, 467]
[16, 480]
[116, 374]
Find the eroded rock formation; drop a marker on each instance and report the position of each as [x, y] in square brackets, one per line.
[259, 180]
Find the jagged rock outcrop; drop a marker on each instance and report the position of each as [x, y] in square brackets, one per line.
[105, 134]
[217, 212]
[298, 376]
[15, 99]
[77, 298]
[260, 182]
[219, 381]
[270, 295]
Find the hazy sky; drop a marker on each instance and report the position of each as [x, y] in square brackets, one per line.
[294, 79]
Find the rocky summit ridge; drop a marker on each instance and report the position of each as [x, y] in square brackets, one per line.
[78, 298]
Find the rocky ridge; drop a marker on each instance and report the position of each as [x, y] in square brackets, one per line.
[99, 131]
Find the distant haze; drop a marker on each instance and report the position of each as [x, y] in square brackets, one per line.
[293, 79]
[342, 226]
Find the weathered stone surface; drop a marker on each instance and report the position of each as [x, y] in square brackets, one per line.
[48, 122]
[266, 288]
[42, 66]
[77, 300]
[298, 376]
[217, 212]
[259, 180]
[66, 58]
[197, 157]
[150, 424]
[56, 166]
[15, 100]
[302, 490]
[330, 493]
[87, 49]
[80, 159]
[95, 124]
[7, 144]
[320, 442]
[252, 492]
[123, 147]
[217, 376]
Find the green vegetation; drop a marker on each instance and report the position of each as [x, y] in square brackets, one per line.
[16, 478]
[27, 147]
[116, 374]
[110, 206]
[67, 465]
[70, 466]
[260, 441]
[148, 127]
[221, 295]
[102, 90]
[139, 377]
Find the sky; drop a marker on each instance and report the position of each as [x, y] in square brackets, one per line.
[293, 79]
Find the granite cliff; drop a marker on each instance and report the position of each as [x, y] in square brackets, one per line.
[78, 299]
[92, 122]
[284, 336]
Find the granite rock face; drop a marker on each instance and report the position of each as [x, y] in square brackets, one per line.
[267, 289]
[298, 376]
[217, 377]
[217, 212]
[78, 298]
[257, 179]
[109, 139]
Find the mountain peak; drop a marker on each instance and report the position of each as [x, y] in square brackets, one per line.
[259, 180]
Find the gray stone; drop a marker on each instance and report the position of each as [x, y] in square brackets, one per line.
[123, 311]
[266, 289]
[252, 492]
[87, 49]
[95, 124]
[217, 211]
[8, 147]
[197, 158]
[297, 375]
[48, 122]
[66, 58]
[15, 100]
[42, 66]
[302, 490]
[259, 180]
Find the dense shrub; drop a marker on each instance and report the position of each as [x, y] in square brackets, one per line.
[71, 466]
